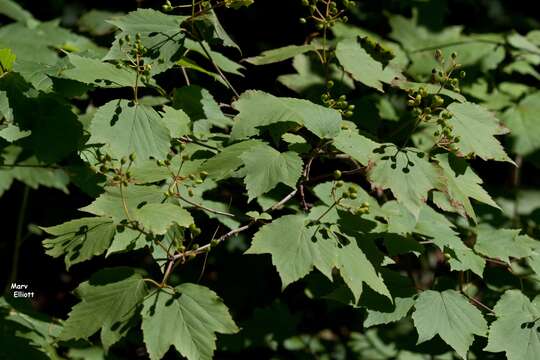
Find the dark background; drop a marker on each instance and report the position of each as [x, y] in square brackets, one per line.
[265, 25]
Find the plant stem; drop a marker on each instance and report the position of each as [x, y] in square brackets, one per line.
[18, 238]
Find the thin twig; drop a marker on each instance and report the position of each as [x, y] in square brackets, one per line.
[18, 238]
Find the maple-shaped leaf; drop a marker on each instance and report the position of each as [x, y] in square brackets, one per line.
[108, 302]
[502, 243]
[449, 315]
[186, 317]
[522, 119]
[516, 330]
[461, 185]
[257, 108]
[266, 167]
[357, 62]
[402, 308]
[407, 173]
[296, 250]
[79, 240]
[476, 128]
[125, 128]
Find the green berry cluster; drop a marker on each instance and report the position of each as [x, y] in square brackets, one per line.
[190, 181]
[350, 193]
[135, 51]
[116, 170]
[431, 108]
[340, 103]
[325, 13]
[450, 75]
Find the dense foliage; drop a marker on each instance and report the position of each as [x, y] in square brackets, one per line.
[337, 214]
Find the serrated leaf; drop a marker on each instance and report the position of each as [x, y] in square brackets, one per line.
[477, 128]
[449, 315]
[79, 240]
[157, 218]
[437, 227]
[462, 184]
[280, 54]
[524, 124]
[402, 307]
[98, 73]
[357, 146]
[294, 252]
[146, 21]
[257, 108]
[407, 175]
[501, 243]
[111, 202]
[224, 164]
[355, 269]
[266, 167]
[126, 128]
[186, 319]
[108, 300]
[363, 68]
[176, 121]
[511, 331]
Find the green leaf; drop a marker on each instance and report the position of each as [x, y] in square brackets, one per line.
[512, 331]
[522, 120]
[224, 164]
[108, 301]
[7, 58]
[79, 240]
[363, 68]
[257, 108]
[357, 146]
[125, 128]
[476, 128]
[98, 73]
[176, 121]
[437, 227]
[294, 252]
[13, 10]
[501, 243]
[280, 54]
[187, 319]
[402, 308]
[296, 249]
[449, 315]
[407, 174]
[111, 202]
[355, 269]
[157, 218]
[146, 21]
[95, 22]
[461, 185]
[266, 167]
[30, 172]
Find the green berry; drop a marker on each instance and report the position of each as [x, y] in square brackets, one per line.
[337, 174]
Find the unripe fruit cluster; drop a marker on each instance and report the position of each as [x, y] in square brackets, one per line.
[120, 175]
[326, 13]
[340, 104]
